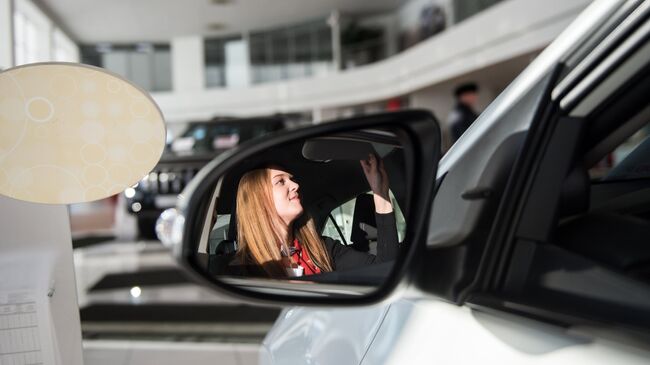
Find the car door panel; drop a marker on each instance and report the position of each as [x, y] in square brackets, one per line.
[336, 336]
[428, 331]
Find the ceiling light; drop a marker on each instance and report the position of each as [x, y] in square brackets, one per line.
[129, 192]
[136, 207]
[216, 26]
[135, 292]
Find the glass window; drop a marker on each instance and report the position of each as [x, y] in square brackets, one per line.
[464, 9]
[290, 52]
[147, 65]
[64, 49]
[343, 216]
[630, 160]
[26, 40]
[215, 60]
[219, 232]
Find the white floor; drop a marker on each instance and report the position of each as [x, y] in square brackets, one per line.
[105, 352]
[92, 263]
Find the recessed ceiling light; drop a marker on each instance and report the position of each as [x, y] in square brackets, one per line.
[216, 26]
[220, 2]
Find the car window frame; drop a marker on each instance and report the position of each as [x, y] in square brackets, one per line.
[492, 291]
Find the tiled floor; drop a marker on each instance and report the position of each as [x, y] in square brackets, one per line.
[137, 307]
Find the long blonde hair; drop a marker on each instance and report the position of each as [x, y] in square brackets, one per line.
[258, 235]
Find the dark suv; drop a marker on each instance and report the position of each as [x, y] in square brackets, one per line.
[184, 157]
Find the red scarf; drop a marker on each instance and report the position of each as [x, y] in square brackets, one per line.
[301, 257]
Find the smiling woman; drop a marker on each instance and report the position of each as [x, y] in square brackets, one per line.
[278, 239]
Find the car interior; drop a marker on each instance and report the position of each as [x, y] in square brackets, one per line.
[593, 261]
[330, 175]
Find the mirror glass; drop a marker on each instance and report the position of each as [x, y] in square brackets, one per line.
[330, 210]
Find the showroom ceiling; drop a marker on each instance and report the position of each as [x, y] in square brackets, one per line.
[90, 21]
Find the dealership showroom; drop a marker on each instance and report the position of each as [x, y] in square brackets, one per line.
[439, 181]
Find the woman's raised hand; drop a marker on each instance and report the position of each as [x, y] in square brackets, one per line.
[377, 178]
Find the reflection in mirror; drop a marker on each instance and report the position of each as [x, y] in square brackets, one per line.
[326, 210]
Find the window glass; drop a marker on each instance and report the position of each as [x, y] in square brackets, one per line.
[63, 48]
[26, 40]
[342, 216]
[630, 160]
[595, 261]
[219, 232]
[464, 9]
[147, 65]
[343, 219]
[290, 52]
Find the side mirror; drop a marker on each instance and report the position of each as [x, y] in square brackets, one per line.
[332, 213]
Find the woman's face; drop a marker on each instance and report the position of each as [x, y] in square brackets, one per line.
[285, 195]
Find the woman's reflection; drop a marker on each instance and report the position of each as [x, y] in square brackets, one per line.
[277, 239]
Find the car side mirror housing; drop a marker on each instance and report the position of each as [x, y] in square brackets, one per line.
[329, 214]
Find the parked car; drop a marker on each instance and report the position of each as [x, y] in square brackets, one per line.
[184, 157]
[515, 250]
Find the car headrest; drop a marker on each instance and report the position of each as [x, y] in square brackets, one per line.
[363, 216]
[576, 191]
[226, 247]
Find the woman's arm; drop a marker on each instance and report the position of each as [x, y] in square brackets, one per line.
[387, 241]
[377, 178]
[345, 257]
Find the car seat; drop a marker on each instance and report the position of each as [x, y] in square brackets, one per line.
[617, 240]
[364, 226]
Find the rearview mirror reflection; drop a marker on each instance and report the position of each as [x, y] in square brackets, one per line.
[330, 209]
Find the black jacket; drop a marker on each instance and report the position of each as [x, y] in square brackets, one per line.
[460, 119]
[342, 257]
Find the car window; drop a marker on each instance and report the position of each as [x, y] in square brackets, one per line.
[341, 226]
[219, 232]
[630, 160]
[218, 136]
[580, 248]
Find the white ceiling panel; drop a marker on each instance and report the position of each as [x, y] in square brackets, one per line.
[90, 21]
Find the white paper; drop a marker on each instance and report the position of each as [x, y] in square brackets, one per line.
[25, 317]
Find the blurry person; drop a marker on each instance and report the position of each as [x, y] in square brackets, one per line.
[463, 114]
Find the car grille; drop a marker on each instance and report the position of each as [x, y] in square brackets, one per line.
[167, 181]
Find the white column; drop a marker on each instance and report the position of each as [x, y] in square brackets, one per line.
[238, 65]
[6, 34]
[188, 64]
[334, 22]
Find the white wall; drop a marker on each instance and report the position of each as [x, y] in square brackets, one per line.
[188, 64]
[491, 81]
[39, 235]
[6, 34]
[464, 48]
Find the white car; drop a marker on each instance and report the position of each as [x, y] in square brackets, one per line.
[527, 243]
